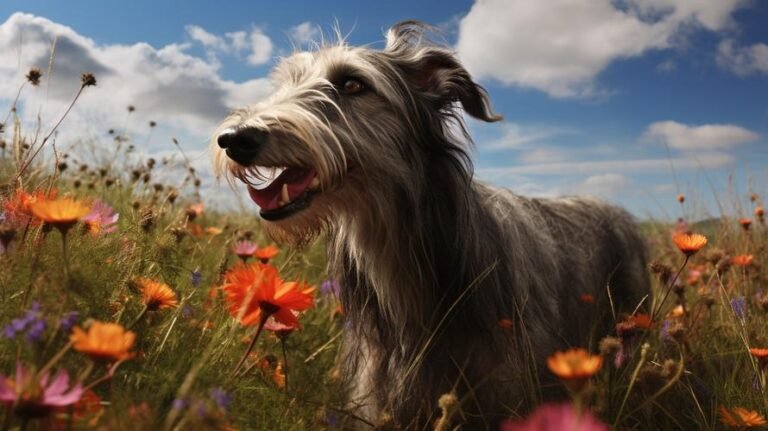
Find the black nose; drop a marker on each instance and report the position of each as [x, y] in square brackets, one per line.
[243, 145]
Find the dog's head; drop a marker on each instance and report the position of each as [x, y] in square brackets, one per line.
[346, 127]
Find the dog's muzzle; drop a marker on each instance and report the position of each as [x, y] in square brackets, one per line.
[243, 145]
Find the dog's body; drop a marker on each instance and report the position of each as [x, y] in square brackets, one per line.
[430, 260]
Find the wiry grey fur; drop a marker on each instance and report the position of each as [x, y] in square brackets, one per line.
[429, 259]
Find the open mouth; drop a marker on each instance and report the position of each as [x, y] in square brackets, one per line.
[290, 192]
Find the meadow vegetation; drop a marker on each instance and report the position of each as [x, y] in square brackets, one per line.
[126, 304]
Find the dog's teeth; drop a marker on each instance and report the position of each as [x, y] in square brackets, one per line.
[284, 196]
[315, 184]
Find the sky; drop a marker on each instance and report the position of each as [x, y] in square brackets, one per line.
[632, 101]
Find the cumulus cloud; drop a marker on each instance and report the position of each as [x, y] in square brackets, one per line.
[304, 33]
[743, 60]
[256, 46]
[560, 46]
[603, 186]
[707, 137]
[261, 48]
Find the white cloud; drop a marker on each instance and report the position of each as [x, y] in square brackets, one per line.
[603, 186]
[743, 60]
[261, 48]
[560, 46]
[647, 166]
[208, 40]
[705, 137]
[515, 136]
[304, 33]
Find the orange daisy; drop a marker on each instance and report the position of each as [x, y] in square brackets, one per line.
[760, 213]
[689, 243]
[264, 254]
[104, 341]
[17, 207]
[156, 295]
[681, 198]
[742, 260]
[761, 355]
[256, 289]
[60, 213]
[745, 223]
[738, 417]
[574, 366]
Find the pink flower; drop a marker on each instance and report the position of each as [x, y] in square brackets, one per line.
[245, 249]
[37, 399]
[556, 417]
[101, 219]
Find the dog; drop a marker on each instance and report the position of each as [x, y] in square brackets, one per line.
[369, 147]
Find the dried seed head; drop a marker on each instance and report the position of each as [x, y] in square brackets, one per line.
[76, 184]
[109, 181]
[2, 144]
[609, 345]
[158, 187]
[146, 177]
[2, 127]
[131, 108]
[111, 131]
[7, 234]
[152, 124]
[87, 79]
[33, 76]
[135, 174]
[151, 163]
[664, 271]
[62, 166]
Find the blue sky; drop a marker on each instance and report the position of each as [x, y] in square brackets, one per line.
[632, 100]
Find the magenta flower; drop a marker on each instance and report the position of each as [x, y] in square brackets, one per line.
[101, 219]
[556, 417]
[36, 398]
[245, 249]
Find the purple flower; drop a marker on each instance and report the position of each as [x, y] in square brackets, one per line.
[222, 398]
[330, 287]
[187, 311]
[739, 307]
[196, 277]
[556, 417]
[179, 404]
[32, 322]
[102, 218]
[664, 333]
[68, 320]
[36, 398]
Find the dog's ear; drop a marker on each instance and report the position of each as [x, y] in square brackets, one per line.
[435, 71]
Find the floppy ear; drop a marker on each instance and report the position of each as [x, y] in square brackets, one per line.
[435, 72]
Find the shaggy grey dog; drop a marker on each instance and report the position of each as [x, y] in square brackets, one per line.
[372, 151]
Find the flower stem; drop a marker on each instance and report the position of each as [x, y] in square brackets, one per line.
[285, 362]
[64, 253]
[139, 317]
[669, 289]
[264, 317]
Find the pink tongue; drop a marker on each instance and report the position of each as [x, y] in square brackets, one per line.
[298, 180]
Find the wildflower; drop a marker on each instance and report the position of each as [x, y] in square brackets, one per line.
[257, 288]
[17, 208]
[330, 287]
[634, 322]
[739, 307]
[195, 210]
[678, 311]
[37, 397]
[68, 320]
[280, 329]
[745, 223]
[742, 260]
[156, 295]
[33, 76]
[738, 417]
[761, 354]
[681, 198]
[195, 278]
[689, 243]
[245, 249]
[222, 399]
[104, 341]
[31, 324]
[101, 219]
[87, 407]
[87, 79]
[264, 254]
[556, 417]
[60, 213]
[575, 366]
[760, 214]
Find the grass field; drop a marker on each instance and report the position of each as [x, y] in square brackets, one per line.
[90, 237]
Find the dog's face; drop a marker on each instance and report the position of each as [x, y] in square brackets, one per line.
[343, 121]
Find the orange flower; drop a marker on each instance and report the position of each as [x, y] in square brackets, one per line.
[574, 364]
[156, 295]
[254, 289]
[745, 223]
[213, 230]
[61, 213]
[738, 417]
[104, 341]
[759, 212]
[742, 260]
[17, 207]
[632, 323]
[681, 198]
[264, 254]
[759, 353]
[689, 243]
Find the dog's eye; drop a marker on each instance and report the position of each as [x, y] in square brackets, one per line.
[351, 86]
